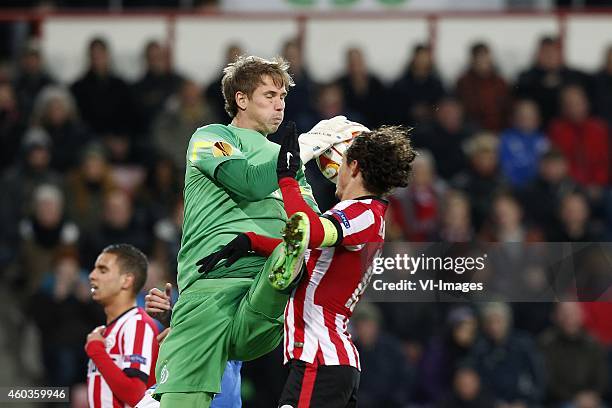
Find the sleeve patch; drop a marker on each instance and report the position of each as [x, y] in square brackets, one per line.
[343, 218]
[135, 358]
[221, 149]
[199, 145]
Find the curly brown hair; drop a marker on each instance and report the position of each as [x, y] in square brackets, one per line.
[247, 73]
[385, 158]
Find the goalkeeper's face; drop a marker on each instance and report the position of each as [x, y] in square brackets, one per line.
[265, 109]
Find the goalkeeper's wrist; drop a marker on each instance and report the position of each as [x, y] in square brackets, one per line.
[283, 175]
[251, 237]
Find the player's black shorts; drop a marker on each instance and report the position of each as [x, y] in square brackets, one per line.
[319, 386]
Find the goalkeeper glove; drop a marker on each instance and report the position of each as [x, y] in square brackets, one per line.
[288, 162]
[325, 134]
[234, 250]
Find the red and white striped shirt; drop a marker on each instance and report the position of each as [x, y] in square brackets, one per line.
[131, 342]
[317, 314]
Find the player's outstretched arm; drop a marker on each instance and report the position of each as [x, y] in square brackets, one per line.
[243, 245]
[247, 181]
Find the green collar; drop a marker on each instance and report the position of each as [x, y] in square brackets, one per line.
[245, 131]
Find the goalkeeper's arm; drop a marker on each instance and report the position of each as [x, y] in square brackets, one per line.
[247, 181]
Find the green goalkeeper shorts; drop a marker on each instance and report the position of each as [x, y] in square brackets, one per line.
[213, 322]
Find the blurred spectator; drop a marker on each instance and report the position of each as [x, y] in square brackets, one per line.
[18, 186]
[46, 230]
[213, 93]
[363, 91]
[161, 189]
[574, 220]
[602, 89]
[11, 125]
[55, 112]
[598, 324]
[592, 278]
[87, 187]
[507, 361]
[417, 90]
[444, 137]
[446, 353]
[387, 382]
[414, 325]
[64, 313]
[545, 79]
[120, 223]
[542, 196]
[588, 400]
[483, 91]
[516, 271]
[20, 182]
[157, 84]
[575, 363]
[583, 139]
[183, 114]
[394, 227]
[522, 145]
[102, 97]
[168, 233]
[505, 222]
[416, 208]
[456, 218]
[78, 396]
[534, 317]
[466, 391]
[329, 103]
[31, 77]
[300, 97]
[482, 179]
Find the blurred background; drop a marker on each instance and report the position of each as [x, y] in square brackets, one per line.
[511, 101]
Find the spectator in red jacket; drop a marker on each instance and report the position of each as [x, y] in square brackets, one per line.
[417, 207]
[583, 139]
[483, 92]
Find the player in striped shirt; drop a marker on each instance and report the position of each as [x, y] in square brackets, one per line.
[324, 363]
[124, 351]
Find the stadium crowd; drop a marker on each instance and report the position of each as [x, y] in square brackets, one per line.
[525, 159]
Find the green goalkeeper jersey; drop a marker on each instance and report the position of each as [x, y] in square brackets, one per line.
[224, 201]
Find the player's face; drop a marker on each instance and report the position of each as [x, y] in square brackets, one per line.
[344, 176]
[266, 107]
[105, 280]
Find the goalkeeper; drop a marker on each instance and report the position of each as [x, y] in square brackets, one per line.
[234, 312]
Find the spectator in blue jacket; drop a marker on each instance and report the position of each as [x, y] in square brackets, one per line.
[446, 353]
[507, 360]
[522, 145]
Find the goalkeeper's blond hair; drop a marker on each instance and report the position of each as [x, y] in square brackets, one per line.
[247, 73]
